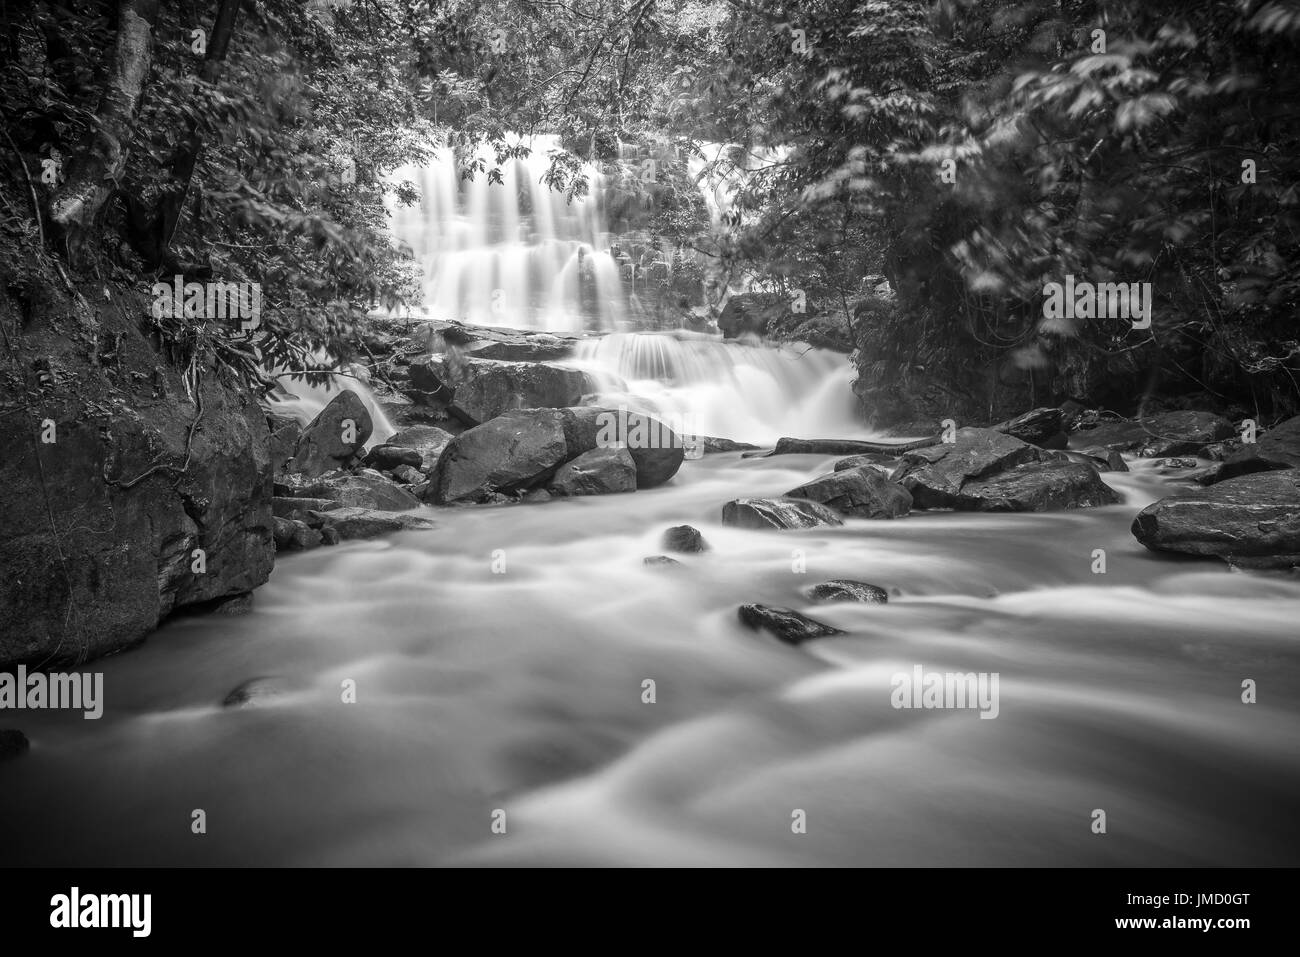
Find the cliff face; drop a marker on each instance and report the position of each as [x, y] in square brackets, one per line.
[124, 498]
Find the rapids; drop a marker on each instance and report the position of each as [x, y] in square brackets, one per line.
[478, 691]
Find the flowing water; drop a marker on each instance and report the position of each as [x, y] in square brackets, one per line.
[483, 686]
[500, 661]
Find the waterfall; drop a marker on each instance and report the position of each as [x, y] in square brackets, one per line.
[707, 386]
[304, 402]
[514, 253]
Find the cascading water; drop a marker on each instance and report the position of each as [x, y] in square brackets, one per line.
[742, 391]
[304, 402]
[514, 253]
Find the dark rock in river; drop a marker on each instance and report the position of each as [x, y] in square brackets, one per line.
[297, 508]
[295, 536]
[1103, 460]
[657, 450]
[713, 445]
[659, 561]
[1168, 433]
[323, 446]
[789, 446]
[256, 692]
[12, 743]
[1251, 520]
[1278, 448]
[1036, 487]
[789, 626]
[685, 539]
[1043, 427]
[861, 492]
[765, 513]
[935, 475]
[884, 464]
[598, 472]
[842, 589]
[513, 452]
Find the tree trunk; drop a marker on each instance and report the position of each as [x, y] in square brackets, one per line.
[98, 165]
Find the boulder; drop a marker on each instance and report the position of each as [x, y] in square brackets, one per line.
[1156, 436]
[842, 589]
[598, 472]
[763, 513]
[513, 452]
[384, 458]
[685, 539]
[324, 443]
[364, 489]
[428, 440]
[351, 523]
[1044, 427]
[1251, 520]
[1278, 448]
[485, 342]
[656, 449]
[486, 388]
[861, 492]
[935, 475]
[789, 626]
[1036, 487]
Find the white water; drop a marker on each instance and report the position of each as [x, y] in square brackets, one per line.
[304, 402]
[514, 253]
[522, 691]
[743, 391]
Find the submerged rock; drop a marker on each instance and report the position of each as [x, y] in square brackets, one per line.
[685, 539]
[659, 561]
[256, 692]
[352, 523]
[777, 513]
[12, 743]
[789, 626]
[843, 589]
[861, 492]
[324, 443]
[598, 472]
[1251, 520]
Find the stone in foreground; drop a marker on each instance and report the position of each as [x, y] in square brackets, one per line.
[1252, 521]
[784, 623]
[777, 513]
[598, 472]
[684, 538]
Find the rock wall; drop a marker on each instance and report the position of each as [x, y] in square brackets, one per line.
[113, 475]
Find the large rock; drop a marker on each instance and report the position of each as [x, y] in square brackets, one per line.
[789, 626]
[385, 458]
[1278, 448]
[365, 489]
[598, 472]
[861, 492]
[657, 450]
[1156, 436]
[128, 506]
[935, 475]
[486, 388]
[1251, 520]
[683, 538]
[1036, 487]
[428, 440]
[1043, 427]
[324, 443]
[778, 513]
[513, 452]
